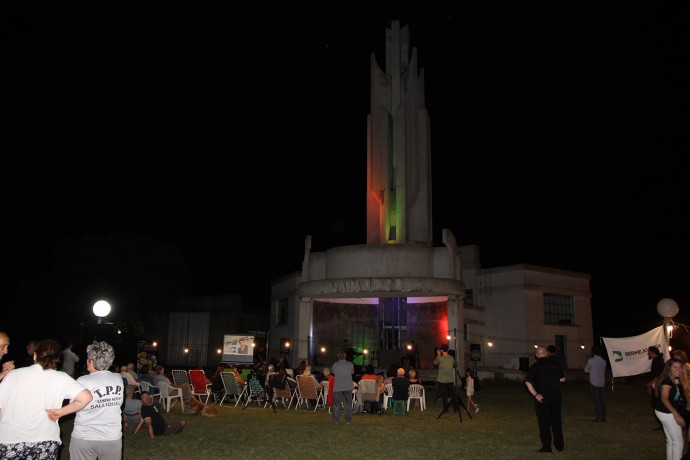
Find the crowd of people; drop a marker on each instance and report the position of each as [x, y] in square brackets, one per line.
[108, 397]
[43, 388]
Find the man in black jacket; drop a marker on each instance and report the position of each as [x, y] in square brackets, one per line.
[543, 382]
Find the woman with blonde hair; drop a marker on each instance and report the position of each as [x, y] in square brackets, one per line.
[669, 404]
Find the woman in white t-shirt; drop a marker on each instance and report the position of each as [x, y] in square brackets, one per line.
[31, 404]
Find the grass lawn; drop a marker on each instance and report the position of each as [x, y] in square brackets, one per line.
[504, 428]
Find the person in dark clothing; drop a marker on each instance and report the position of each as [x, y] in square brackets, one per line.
[657, 365]
[401, 386]
[552, 353]
[155, 423]
[543, 381]
[30, 349]
[657, 368]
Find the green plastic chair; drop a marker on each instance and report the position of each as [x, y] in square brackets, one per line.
[399, 407]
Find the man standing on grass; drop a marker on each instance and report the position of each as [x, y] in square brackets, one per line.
[445, 378]
[342, 387]
[543, 381]
[596, 368]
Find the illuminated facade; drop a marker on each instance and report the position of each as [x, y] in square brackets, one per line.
[398, 297]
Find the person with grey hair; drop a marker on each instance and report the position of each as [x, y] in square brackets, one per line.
[97, 432]
[342, 387]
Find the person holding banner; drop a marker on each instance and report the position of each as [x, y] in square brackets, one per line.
[670, 403]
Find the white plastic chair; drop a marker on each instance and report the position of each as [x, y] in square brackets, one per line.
[153, 390]
[416, 391]
[387, 395]
[169, 394]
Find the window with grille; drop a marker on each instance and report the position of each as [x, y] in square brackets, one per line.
[559, 309]
[469, 297]
[282, 312]
[393, 322]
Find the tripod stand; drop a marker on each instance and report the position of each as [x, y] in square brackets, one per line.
[456, 394]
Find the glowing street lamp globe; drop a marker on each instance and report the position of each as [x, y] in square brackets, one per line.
[101, 309]
[667, 308]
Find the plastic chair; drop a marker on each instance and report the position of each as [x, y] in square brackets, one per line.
[416, 391]
[169, 395]
[399, 407]
[153, 390]
[387, 396]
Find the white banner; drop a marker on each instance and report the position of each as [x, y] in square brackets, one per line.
[628, 355]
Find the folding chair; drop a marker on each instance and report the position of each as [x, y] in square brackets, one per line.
[232, 388]
[309, 388]
[200, 388]
[257, 393]
[180, 376]
[278, 387]
[294, 390]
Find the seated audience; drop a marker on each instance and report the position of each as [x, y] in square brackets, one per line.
[300, 368]
[390, 374]
[132, 384]
[413, 376]
[238, 376]
[191, 404]
[147, 375]
[401, 386]
[379, 382]
[130, 369]
[369, 373]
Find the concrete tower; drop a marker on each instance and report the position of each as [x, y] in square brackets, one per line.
[398, 151]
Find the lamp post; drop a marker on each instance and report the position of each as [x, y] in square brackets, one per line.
[101, 310]
[667, 308]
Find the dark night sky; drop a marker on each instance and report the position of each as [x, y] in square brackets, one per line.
[557, 135]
